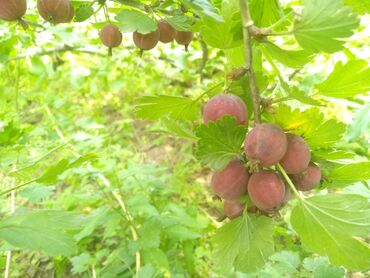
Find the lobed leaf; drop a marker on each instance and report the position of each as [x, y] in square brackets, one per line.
[324, 24]
[155, 107]
[245, 243]
[347, 81]
[219, 142]
[330, 226]
[135, 21]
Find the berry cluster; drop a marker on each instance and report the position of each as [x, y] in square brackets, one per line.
[62, 11]
[265, 145]
[111, 36]
[54, 11]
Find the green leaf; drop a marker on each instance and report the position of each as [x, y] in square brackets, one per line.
[290, 58]
[310, 124]
[51, 174]
[220, 142]
[245, 243]
[330, 226]
[83, 13]
[360, 6]
[37, 193]
[226, 34]
[180, 22]
[320, 268]
[360, 124]
[323, 24]
[42, 231]
[351, 172]
[10, 134]
[135, 21]
[155, 107]
[347, 81]
[265, 12]
[203, 8]
[326, 134]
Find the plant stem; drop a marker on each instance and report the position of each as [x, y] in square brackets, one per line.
[247, 23]
[115, 192]
[289, 181]
[17, 187]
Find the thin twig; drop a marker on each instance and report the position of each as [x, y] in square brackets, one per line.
[9, 253]
[204, 56]
[66, 48]
[247, 24]
[106, 183]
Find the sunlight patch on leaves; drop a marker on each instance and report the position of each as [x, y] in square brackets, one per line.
[347, 81]
[310, 124]
[329, 224]
[155, 107]
[245, 243]
[219, 142]
[323, 24]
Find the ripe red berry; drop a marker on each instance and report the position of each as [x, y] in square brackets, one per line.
[166, 31]
[233, 209]
[225, 104]
[265, 144]
[297, 156]
[308, 179]
[146, 41]
[231, 182]
[110, 36]
[184, 38]
[56, 11]
[267, 190]
[11, 10]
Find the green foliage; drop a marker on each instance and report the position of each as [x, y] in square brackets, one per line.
[223, 34]
[329, 225]
[42, 231]
[318, 132]
[153, 108]
[351, 172]
[347, 81]
[60, 97]
[135, 21]
[321, 29]
[219, 142]
[290, 58]
[244, 243]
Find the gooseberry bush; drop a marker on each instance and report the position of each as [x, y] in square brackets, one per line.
[264, 124]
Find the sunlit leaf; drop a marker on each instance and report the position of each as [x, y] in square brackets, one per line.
[347, 81]
[330, 226]
[324, 25]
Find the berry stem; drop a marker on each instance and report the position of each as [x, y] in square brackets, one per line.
[110, 52]
[23, 24]
[248, 56]
[289, 181]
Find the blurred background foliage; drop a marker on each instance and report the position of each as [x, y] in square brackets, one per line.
[60, 95]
